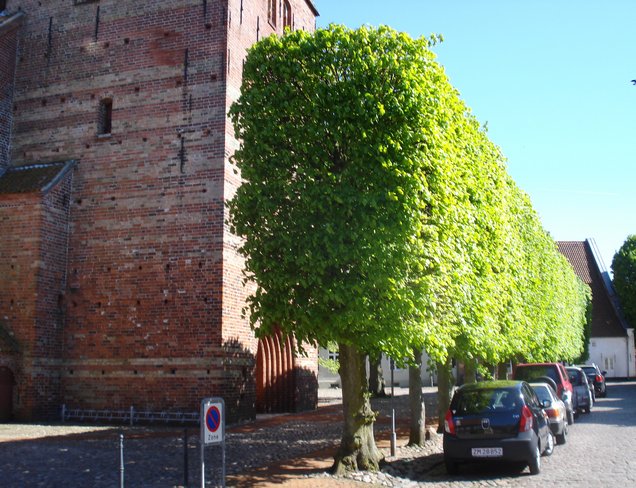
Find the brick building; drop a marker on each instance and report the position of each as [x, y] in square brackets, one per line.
[120, 283]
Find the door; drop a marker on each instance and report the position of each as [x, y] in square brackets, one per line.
[6, 394]
[608, 365]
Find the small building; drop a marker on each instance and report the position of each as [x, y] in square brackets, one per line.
[328, 378]
[612, 339]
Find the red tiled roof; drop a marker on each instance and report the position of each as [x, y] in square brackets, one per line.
[575, 252]
[606, 321]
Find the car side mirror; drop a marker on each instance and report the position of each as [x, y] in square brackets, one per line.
[603, 373]
[546, 403]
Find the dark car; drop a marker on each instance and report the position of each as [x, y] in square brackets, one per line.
[496, 421]
[555, 408]
[597, 378]
[554, 371]
[583, 391]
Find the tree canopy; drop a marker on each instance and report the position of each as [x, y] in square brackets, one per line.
[624, 269]
[377, 214]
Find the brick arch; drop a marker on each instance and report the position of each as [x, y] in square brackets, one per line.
[275, 385]
[7, 381]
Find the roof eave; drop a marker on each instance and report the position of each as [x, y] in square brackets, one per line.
[312, 7]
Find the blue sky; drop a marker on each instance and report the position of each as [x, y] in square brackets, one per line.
[551, 78]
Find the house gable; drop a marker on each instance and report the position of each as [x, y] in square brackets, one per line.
[606, 318]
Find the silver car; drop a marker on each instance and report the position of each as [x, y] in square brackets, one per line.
[555, 408]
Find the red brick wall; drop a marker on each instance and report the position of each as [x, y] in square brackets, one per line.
[244, 28]
[9, 30]
[154, 293]
[19, 244]
[33, 242]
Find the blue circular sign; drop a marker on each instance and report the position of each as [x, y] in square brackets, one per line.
[213, 418]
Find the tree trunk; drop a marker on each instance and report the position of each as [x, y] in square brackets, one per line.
[470, 371]
[418, 409]
[357, 449]
[502, 371]
[444, 387]
[376, 376]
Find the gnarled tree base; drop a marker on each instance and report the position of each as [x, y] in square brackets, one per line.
[357, 448]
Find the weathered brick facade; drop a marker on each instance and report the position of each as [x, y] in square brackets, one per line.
[9, 28]
[143, 281]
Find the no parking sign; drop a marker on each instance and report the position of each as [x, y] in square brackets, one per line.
[212, 431]
[212, 420]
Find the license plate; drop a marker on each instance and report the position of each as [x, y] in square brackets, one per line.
[487, 451]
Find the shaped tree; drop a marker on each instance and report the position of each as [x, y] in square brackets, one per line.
[340, 132]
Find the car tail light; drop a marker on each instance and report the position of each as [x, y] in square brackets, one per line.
[598, 378]
[525, 424]
[449, 423]
[554, 412]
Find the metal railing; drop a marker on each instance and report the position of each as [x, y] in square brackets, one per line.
[130, 416]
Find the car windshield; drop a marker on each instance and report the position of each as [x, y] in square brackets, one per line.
[476, 402]
[529, 373]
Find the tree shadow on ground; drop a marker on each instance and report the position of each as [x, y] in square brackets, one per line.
[430, 468]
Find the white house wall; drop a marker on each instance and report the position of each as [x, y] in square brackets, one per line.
[614, 355]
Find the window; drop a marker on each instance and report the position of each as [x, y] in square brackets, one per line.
[271, 12]
[333, 355]
[105, 123]
[3, 5]
[287, 15]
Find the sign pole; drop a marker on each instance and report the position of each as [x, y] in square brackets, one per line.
[202, 443]
[212, 431]
[202, 464]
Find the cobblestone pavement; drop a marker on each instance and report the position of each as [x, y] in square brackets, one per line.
[295, 450]
[87, 456]
[599, 453]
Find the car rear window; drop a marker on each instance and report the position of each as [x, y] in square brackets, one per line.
[529, 373]
[476, 402]
[542, 392]
[589, 370]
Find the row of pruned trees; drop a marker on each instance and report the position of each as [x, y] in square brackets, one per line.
[377, 214]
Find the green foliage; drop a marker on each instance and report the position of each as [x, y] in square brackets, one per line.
[624, 269]
[339, 133]
[331, 365]
[375, 211]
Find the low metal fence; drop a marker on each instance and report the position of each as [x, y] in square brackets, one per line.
[130, 416]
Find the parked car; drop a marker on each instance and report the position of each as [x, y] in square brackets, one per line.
[557, 373]
[597, 378]
[496, 421]
[582, 390]
[555, 408]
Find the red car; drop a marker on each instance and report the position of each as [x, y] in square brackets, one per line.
[554, 372]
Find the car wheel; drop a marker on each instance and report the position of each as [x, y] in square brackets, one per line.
[451, 466]
[549, 449]
[535, 463]
[562, 437]
[587, 409]
[570, 417]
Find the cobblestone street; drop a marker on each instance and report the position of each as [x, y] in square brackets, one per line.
[599, 452]
[295, 450]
